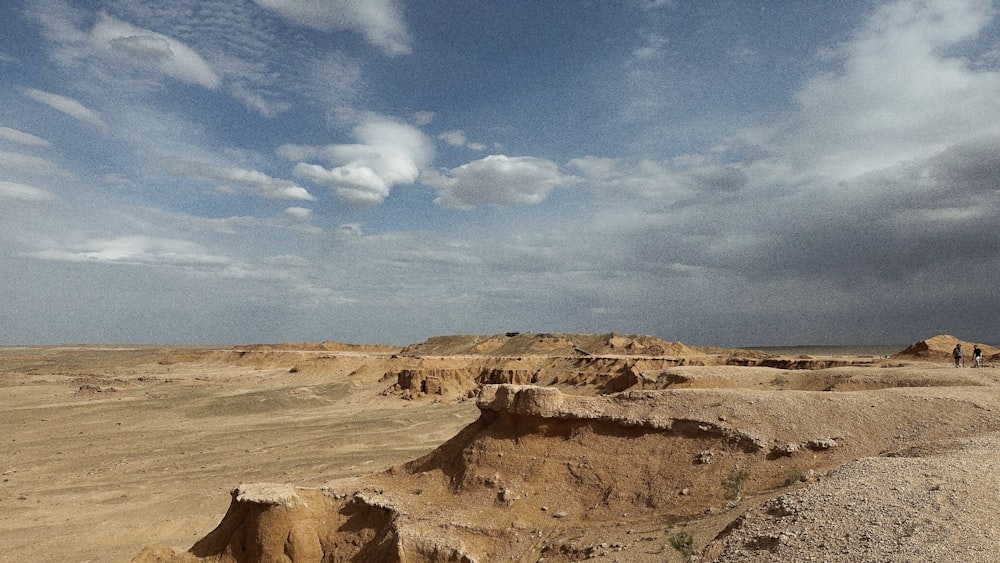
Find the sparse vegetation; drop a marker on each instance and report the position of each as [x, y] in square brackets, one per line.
[794, 476]
[732, 485]
[683, 542]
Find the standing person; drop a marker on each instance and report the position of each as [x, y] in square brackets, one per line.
[958, 355]
[977, 356]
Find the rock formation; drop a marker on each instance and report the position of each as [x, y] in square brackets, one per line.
[543, 474]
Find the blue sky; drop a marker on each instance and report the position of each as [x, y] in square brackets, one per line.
[717, 172]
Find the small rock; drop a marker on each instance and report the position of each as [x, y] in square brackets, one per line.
[821, 444]
[785, 449]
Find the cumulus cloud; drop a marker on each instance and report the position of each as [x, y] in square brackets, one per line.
[264, 185]
[497, 180]
[123, 43]
[389, 153]
[66, 105]
[379, 21]
[23, 192]
[20, 137]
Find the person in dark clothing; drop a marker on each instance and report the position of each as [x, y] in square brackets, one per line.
[958, 355]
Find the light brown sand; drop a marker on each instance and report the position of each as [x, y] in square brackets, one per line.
[107, 450]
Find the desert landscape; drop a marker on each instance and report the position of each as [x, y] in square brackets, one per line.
[508, 447]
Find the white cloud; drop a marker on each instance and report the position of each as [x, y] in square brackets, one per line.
[422, 118]
[21, 137]
[257, 102]
[454, 137]
[299, 213]
[12, 190]
[379, 21]
[264, 185]
[138, 249]
[27, 164]
[497, 180]
[69, 106]
[126, 44]
[5, 58]
[352, 182]
[458, 138]
[898, 94]
[389, 153]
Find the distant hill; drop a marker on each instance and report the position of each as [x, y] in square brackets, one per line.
[548, 343]
[327, 346]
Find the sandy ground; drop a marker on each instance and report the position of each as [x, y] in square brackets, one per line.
[107, 450]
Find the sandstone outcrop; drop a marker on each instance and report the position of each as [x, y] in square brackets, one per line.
[544, 475]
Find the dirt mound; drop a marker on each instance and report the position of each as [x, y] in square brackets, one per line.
[939, 348]
[546, 475]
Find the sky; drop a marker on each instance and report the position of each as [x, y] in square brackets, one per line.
[721, 172]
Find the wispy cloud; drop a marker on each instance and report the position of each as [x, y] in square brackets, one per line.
[125, 44]
[21, 137]
[263, 185]
[133, 249]
[19, 163]
[12, 190]
[379, 21]
[66, 105]
[652, 47]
